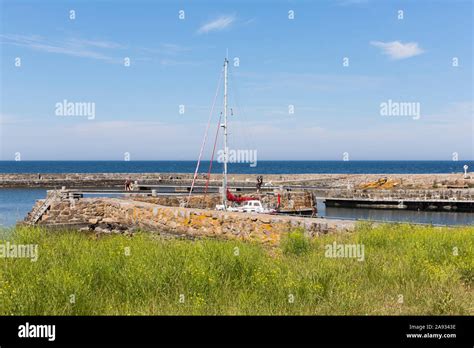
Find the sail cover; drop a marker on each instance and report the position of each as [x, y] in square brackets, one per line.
[232, 198]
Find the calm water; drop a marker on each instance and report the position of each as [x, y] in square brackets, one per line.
[16, 203]
[424, 217]
[263, 167]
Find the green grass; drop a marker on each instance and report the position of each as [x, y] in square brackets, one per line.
[230, 277]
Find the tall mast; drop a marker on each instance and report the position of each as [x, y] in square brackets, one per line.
[224, 183]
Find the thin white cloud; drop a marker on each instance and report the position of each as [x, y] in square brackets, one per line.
[97, 43]
[398, 50]
[217, 24]
[72, 47]
[93, 49]
[250, 21]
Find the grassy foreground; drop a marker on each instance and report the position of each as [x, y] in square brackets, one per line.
[406, 270]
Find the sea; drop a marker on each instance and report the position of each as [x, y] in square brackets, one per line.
[262, 167]
[16, 203]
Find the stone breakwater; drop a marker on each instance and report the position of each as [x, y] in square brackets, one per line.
[323, 181]
[115, 215]
[289, 201]
[403, 194]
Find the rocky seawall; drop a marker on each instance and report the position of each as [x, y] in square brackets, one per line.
[119, 215]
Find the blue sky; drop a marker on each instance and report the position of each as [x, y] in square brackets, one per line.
[283, 62]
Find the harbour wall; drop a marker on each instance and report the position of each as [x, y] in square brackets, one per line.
[322, 181]
[116, 215]
[289, 201]
[403, 194]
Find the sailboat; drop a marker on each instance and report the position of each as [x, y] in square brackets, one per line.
[251, 204]
[227, 198]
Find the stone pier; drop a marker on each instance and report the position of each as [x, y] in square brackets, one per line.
[117, 215]
[322, 181]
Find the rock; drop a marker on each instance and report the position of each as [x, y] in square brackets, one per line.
[126, 215]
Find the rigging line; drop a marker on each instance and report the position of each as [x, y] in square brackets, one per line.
[212, 157]
[204, 140]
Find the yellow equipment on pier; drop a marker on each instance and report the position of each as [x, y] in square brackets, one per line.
[382, 183]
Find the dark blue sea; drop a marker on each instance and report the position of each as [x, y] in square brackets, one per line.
[263, 167]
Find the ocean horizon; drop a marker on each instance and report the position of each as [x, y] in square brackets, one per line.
[262, 167]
